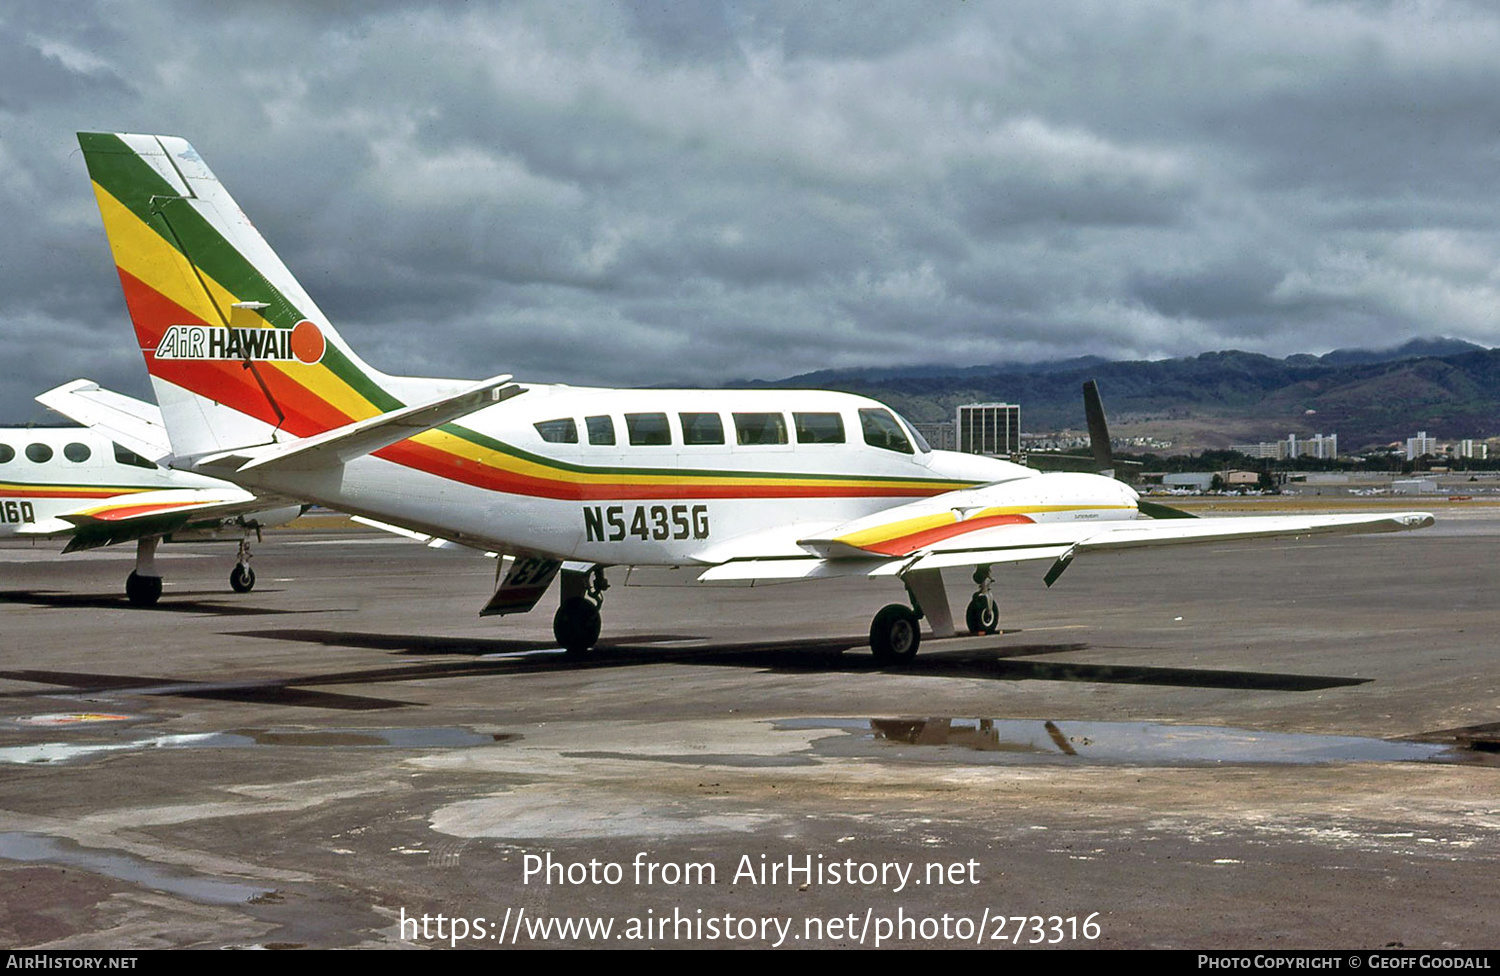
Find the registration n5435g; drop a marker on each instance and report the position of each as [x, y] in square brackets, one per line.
[612, 523]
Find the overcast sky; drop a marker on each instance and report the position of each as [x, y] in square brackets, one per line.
[642, 193]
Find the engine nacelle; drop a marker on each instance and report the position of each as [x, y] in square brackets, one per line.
[1051, 497]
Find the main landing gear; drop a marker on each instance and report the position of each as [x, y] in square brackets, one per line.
[143, 585]
[576, 623]
[896, 632]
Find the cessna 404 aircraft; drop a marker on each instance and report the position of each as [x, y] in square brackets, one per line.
[99, 486]
[256, 387]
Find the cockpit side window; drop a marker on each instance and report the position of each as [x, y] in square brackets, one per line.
[881, 430]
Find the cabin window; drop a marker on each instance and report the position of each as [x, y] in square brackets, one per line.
[40, 453]
[701, 428]
[601, 429]
[561, 431]
[124, 455]
[759, 428]
[648, 429]
[819, 428]
[882, 430]
[77, 453]
[7, 453]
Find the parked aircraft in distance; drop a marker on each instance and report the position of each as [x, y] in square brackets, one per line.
[258, 388]
[85, 484]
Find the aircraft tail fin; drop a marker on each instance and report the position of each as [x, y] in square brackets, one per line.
[238, 353]
[1093, 410]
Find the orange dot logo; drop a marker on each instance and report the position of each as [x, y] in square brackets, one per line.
[308, 342]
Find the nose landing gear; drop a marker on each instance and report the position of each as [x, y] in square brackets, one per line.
[982, 615]
[242, 577]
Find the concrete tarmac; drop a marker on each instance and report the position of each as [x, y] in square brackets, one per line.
[1274, 745]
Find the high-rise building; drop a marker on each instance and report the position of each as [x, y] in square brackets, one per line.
[1420, 445]
[989, 428]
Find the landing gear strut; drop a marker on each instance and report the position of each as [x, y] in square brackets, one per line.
[982, 616]
[576, 623]
[143, 585]
[242, 577]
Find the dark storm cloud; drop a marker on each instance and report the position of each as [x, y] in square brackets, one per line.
[651, 192]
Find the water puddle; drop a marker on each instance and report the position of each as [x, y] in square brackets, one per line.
[67, 719]
[1026, 740]
[418, 738]
[20, 846]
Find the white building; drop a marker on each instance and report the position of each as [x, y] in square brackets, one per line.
[1318, 446]
[1420, 445]
[1472, 449]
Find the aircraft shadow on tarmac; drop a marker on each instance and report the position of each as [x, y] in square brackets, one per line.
[966, 660]
[498, 656]
[180, 602]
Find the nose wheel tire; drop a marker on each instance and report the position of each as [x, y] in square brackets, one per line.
[983, 616]
[142, 591]
[895, 634]
[576, 624]
[241, 579]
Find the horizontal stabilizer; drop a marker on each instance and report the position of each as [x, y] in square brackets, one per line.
[426, 538]
[343, 444]
[125, 420]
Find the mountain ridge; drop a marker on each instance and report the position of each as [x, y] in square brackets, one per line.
[1448, 387]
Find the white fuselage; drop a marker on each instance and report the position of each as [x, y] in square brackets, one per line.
[46, 471]
[646, 477]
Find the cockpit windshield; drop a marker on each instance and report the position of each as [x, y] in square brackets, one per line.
[916, 435]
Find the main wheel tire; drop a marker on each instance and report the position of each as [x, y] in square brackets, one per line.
[241, 578]
[983, 616]
[576, 624]
[142, 591]
[895, 634]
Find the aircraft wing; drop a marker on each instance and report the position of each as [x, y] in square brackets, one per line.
[1060, 542]
[134, 515]
[125, 420]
